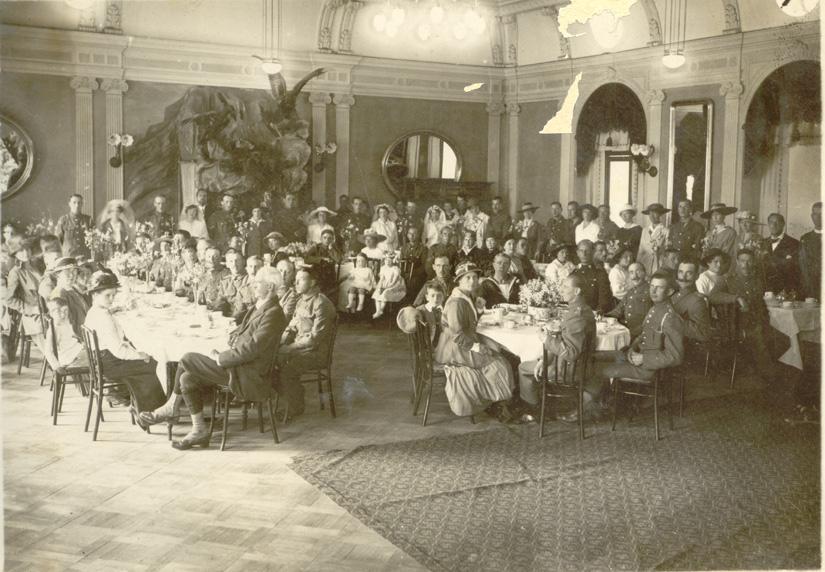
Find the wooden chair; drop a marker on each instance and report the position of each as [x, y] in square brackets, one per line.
[12, 333]
[427, 371]
[62, 376]
[322, 375]
[643, 388]
[223, 395]
[564, 382]
[25, 352]
[44, 312]
[726, 337]
[98, 382]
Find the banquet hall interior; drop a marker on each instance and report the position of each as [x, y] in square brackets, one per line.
[410, 284]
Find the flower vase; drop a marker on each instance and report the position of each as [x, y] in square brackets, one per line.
[543, 314]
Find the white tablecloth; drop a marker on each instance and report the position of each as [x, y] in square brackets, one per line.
[524, 341]
[166, 327]
[798, 324]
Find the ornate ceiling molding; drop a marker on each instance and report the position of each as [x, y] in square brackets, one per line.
[654, 24]
[732, 22]
[552, 12]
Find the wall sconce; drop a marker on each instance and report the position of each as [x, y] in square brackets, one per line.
[119, 141]
[321, 154]
[642, 154]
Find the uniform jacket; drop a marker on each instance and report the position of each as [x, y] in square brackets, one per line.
[661, 342]
[210, 286]
[692, 307]
[752, 290]
[234, 296]
[312, 324]
[289, 223]
[596, 289]
[253, 347]
[221, 227]
[686, 237]
[782, 265]
[499, 226]
[633, 308]
[810, 263]
[255, 238]
[163, 224]
[555, 230]
[21, 290]
[71, 231]
[577, 325]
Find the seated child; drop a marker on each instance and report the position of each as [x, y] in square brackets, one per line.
[363, 282]
[70, 350]
[390, 287]
[431, 310]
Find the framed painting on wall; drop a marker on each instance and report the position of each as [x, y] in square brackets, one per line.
[16, 157]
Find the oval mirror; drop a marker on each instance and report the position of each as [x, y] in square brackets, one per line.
[16, 157]
[418, 161]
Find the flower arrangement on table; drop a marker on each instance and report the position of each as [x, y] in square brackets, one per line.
[614, 246]
[144, 227]
[243, 228]
[98, 241]
[297, 249]
[130, 263]
[540, 297]
[45, 226]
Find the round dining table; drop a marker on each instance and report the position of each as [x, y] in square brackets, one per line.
[525, 340]
[799, 323]
[166, 327]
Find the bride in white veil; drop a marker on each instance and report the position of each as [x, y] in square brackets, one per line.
[190, 220]
[118, 219]
[434, 221]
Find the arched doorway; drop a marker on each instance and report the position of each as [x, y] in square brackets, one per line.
[781, 164]
[611, 119]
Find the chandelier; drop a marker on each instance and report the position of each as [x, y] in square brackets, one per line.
[674, 40]
[437, 18]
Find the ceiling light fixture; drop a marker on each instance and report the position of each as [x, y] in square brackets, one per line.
[675, 25]
[270, 64]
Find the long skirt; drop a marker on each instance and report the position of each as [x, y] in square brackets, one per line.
[470, 390]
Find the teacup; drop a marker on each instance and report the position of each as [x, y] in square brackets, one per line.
[510, 324]
[499, 314]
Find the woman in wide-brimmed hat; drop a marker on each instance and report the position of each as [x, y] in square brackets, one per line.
[630, 233]
[372, 240]
[720, 235]
[480, 376]
[528, 228]
[588, 228]
[748, 235]
[21, 289]
[384, 223]
[318, 223]
[654, 238]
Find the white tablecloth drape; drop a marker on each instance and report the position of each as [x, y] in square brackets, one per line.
[524, 341]
[798, 324]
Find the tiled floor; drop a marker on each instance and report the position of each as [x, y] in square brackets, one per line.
[131, 502]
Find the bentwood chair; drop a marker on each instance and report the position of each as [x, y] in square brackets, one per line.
[98, 382]
[25, 352]
[44, 312]
[564, 383]
[643, 388]
[62, 375]
[322, 375]
[220, 406]
[426, 370]
[726, 336]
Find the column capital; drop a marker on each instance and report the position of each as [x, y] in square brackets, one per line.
[113, 85]
[343, 99]
[319, 99]
[732, 89]
[513, 109]
[83, 84]
[495, 107]
[655, 97]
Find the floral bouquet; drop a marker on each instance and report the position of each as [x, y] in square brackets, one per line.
[97, 241]
[145, 227]
[537, 293]
[296, 249]
[613, 248]
[243, 228]
[45, 226]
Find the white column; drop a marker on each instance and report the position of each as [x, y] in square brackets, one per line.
[84, 140]
[731, 176]
[494, 111]
[649, 193]
[114, 88]
[343, 102]
[513, 109]
[319, 103]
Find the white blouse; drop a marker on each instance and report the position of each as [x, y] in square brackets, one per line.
[556, 271]
[388, 229]
[619, 281]
[589, 232]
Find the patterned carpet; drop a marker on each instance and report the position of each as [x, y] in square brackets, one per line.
[733, 487]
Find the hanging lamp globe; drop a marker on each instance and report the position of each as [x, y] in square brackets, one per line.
[673, 60]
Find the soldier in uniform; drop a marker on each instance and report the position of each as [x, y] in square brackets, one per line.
[608, 230]
[221, 224]
[325, 257]
[444, 247]
[720, 235]
[810, 255]
[690, 305]
[229, 299]
[633, 308]
[162, 222]
[556, 227]
[595, 283]
[72, 228]
[210, 281]
[573, 219]
[687, 234]
[578, 323]
[659, 346]
[415, 253]
[288, 220]
[500, 222]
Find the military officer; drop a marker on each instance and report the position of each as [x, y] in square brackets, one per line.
[232, 286]
[659, 346]
[162, 222]
[687, 234]
[595, 284]
[556, 225]
[210, 280]
[221, 224]
[578, 323]
[500, 221]
[71, 229]
[690, 305]
[288, 221]
[633, 308]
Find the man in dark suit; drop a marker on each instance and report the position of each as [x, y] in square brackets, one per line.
[595, 283]
[810, 255]
[782, 261]
[245, 367]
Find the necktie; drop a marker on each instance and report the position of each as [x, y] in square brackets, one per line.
[775, 240]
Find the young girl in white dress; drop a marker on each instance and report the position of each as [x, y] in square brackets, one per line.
[390, 287]
[363, 282]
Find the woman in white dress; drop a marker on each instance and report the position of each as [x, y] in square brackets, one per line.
[318, 224]
[654, 239]
[434, 221]
[620, 275]
[117, 219]
[588, 228]
[190, 220]
[383, 224]
[561, 267]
